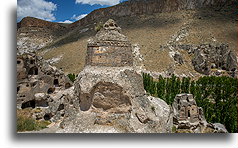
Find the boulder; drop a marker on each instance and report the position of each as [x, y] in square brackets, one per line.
[113, 100]
[208, 56]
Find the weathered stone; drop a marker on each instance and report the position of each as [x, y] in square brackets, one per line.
[40, 85]
[220, 128]
[188, 117]
[208, 57]
[111, 98]
[109, 47]
[178, 58]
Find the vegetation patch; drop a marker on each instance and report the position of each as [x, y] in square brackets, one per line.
[72, 77]
[216, 95]
[98, 26]
[25, 122]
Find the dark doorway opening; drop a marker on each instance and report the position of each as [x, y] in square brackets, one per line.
[56, 82]
[18, 88]
[50, 90]
[61, 107]
[31, 103]
[33, 71]
[47, 116]
[189, 113]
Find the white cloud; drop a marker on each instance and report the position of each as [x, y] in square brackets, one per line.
[74, 17]
[100, 2]
[66, 21]
[36, 8]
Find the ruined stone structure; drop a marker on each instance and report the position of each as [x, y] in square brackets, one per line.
[109, 96]
[188, 117]
[187, 109]
[109, 47]
[40, 85]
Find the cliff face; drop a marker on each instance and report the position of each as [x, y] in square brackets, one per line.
[34, 22]
[33, 33]
[138, 7]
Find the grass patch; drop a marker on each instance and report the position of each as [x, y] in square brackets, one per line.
[72, 77]
[26, 123]
[174, 129]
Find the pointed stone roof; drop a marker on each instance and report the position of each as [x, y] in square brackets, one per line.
[109, 32]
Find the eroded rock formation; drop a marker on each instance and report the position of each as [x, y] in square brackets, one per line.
[41, 87]
[33, 33]
[208, 57]
[139, 7]
[109, 47]
[109, 93]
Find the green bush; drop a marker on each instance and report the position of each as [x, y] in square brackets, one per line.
[72, 77]
[26, 123]
[98, 26]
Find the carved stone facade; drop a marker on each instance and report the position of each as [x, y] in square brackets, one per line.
[109, 96]
[41, 87]
[189, 118]
[186, 108]
[109, 48]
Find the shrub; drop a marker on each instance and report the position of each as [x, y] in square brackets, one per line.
[26, 123]
[98, 26]
[72, 77]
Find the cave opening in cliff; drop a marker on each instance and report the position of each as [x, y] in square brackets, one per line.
[50, 90]
[47, 116]
[61, 107]
[18, 88]
[33, 71]
[67, 85]
[56, 82]
[31, 103]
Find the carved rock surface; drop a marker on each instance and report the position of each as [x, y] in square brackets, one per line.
[189, 118]
[208, 57]
[113, 100]
[41, 87]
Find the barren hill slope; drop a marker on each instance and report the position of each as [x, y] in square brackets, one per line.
[155, 31]
[33, 33]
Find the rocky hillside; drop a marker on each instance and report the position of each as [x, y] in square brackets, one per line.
[142, 7]
[107, 96]
[163, 30]
[33, 33]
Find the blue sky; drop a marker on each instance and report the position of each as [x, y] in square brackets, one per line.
[66, 11]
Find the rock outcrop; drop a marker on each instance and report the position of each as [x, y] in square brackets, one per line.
[109, 47]
[139, 7]
[110, 98]
[33, 33]
[41, 87]
[189, 118]
[208, 57]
